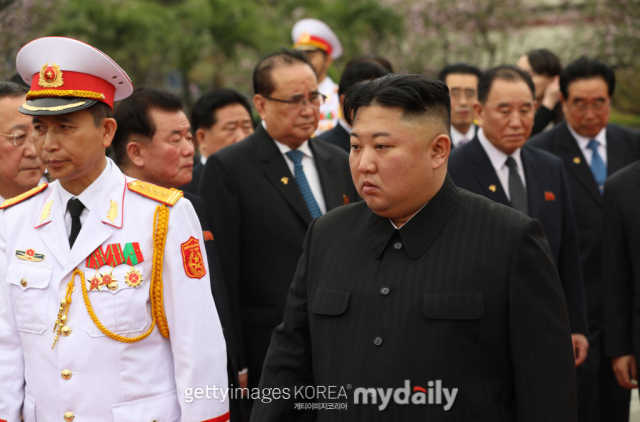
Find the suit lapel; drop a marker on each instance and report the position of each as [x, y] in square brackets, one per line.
[486, 174]
[51, 227]
[533, 176]
[575, 162]
[326, 174]
[277, 172]
[615, 152]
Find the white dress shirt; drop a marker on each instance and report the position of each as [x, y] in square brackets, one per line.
[457, 137]
[308, 166]
[89, 197]
[601, 138]
[499, 161]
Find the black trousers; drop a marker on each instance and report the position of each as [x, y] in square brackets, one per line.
[600, 397]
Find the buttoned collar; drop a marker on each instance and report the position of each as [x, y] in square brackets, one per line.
[457, 136]
[421, 230]
[498, 158]
[601, 137]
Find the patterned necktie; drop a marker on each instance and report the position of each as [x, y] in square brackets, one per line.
[463, 141]
[303, 185]
[598, 168]
[516, 188]
[75, 209]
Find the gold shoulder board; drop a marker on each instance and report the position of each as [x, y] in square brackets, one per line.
[155, 192]
[28, 194]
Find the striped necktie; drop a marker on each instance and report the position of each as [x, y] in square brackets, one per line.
[303, 185]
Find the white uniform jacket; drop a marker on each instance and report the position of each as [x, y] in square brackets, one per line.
[330, 111]
[104, 379]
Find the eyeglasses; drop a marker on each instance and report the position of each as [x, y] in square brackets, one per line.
[18, 139]
[316, 99]
[597, 106]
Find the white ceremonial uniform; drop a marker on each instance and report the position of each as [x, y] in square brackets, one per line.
[330, 111]
[109, 380]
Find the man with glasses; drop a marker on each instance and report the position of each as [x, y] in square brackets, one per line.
[264, 191]
[462, 80]
[20, 167]
[592, 149]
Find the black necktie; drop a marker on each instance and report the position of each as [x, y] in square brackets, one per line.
[516, 188]
[75, 209]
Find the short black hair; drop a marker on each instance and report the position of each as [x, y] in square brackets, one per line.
[16, 78]
[544, 62]
[357, 73]
[505, 72]
[371, 58]
[417, 95]
[459, 69]
[262, 81]
[100, 111]
[586, 68]
[12, 89]
[132, 116]
[204, 110]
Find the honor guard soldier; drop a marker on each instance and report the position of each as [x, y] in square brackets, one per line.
[322, 47]
[106, 311]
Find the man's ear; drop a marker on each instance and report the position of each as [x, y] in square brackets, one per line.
[109, 127]
[440, 149]
[135, 152]
[478, 112]
[260, 103]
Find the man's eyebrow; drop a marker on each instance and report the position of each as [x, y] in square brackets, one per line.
[19, 126]
[503, 104]
[379, 134]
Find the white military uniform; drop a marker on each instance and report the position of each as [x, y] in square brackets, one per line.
[105, 380]
[330, 111]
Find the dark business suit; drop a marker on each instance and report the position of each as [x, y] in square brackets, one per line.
[221, 300]
[621, 247]
[259, 220]
[371, 306]
[338, 137]
[597, 387]
[549, 203]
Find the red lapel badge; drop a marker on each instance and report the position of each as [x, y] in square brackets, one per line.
[345, 200]
[549, 196]
[192, 258]
[207, 235]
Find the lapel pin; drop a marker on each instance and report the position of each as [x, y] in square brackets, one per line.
[345, 199]
[549, 196]
[576, 160]
[113, 211]
[30, 255]
[492, 188]
[285, 180]
[46, 211]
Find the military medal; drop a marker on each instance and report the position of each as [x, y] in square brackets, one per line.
[30, 255]
[108, 280]
[133, 278]
[95, 282]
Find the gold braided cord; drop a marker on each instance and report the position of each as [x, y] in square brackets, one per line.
[77, 93]
[54, 108]
[160, 227]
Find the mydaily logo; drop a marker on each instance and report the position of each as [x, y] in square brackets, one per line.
[432, 395]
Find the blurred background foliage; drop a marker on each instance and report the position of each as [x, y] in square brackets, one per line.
[190, 46]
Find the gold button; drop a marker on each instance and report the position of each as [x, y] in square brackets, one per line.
[113, 286]
[69, 416]
[65, 331]
[63, 319]
[23, 282]
[66, 374]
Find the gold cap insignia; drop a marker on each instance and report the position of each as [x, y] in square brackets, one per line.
[576, 160]
[492, 188]
[50, 76]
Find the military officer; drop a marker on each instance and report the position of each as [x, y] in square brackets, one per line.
[322, 46]
[106, 311]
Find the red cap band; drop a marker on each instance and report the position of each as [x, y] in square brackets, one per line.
[75, 81]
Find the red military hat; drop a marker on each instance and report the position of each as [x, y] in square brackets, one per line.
[67, 75]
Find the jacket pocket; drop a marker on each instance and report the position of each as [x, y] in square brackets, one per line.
[30, 294]
[330, 301]
[162, 408]
[458, 306]
[123, 310]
